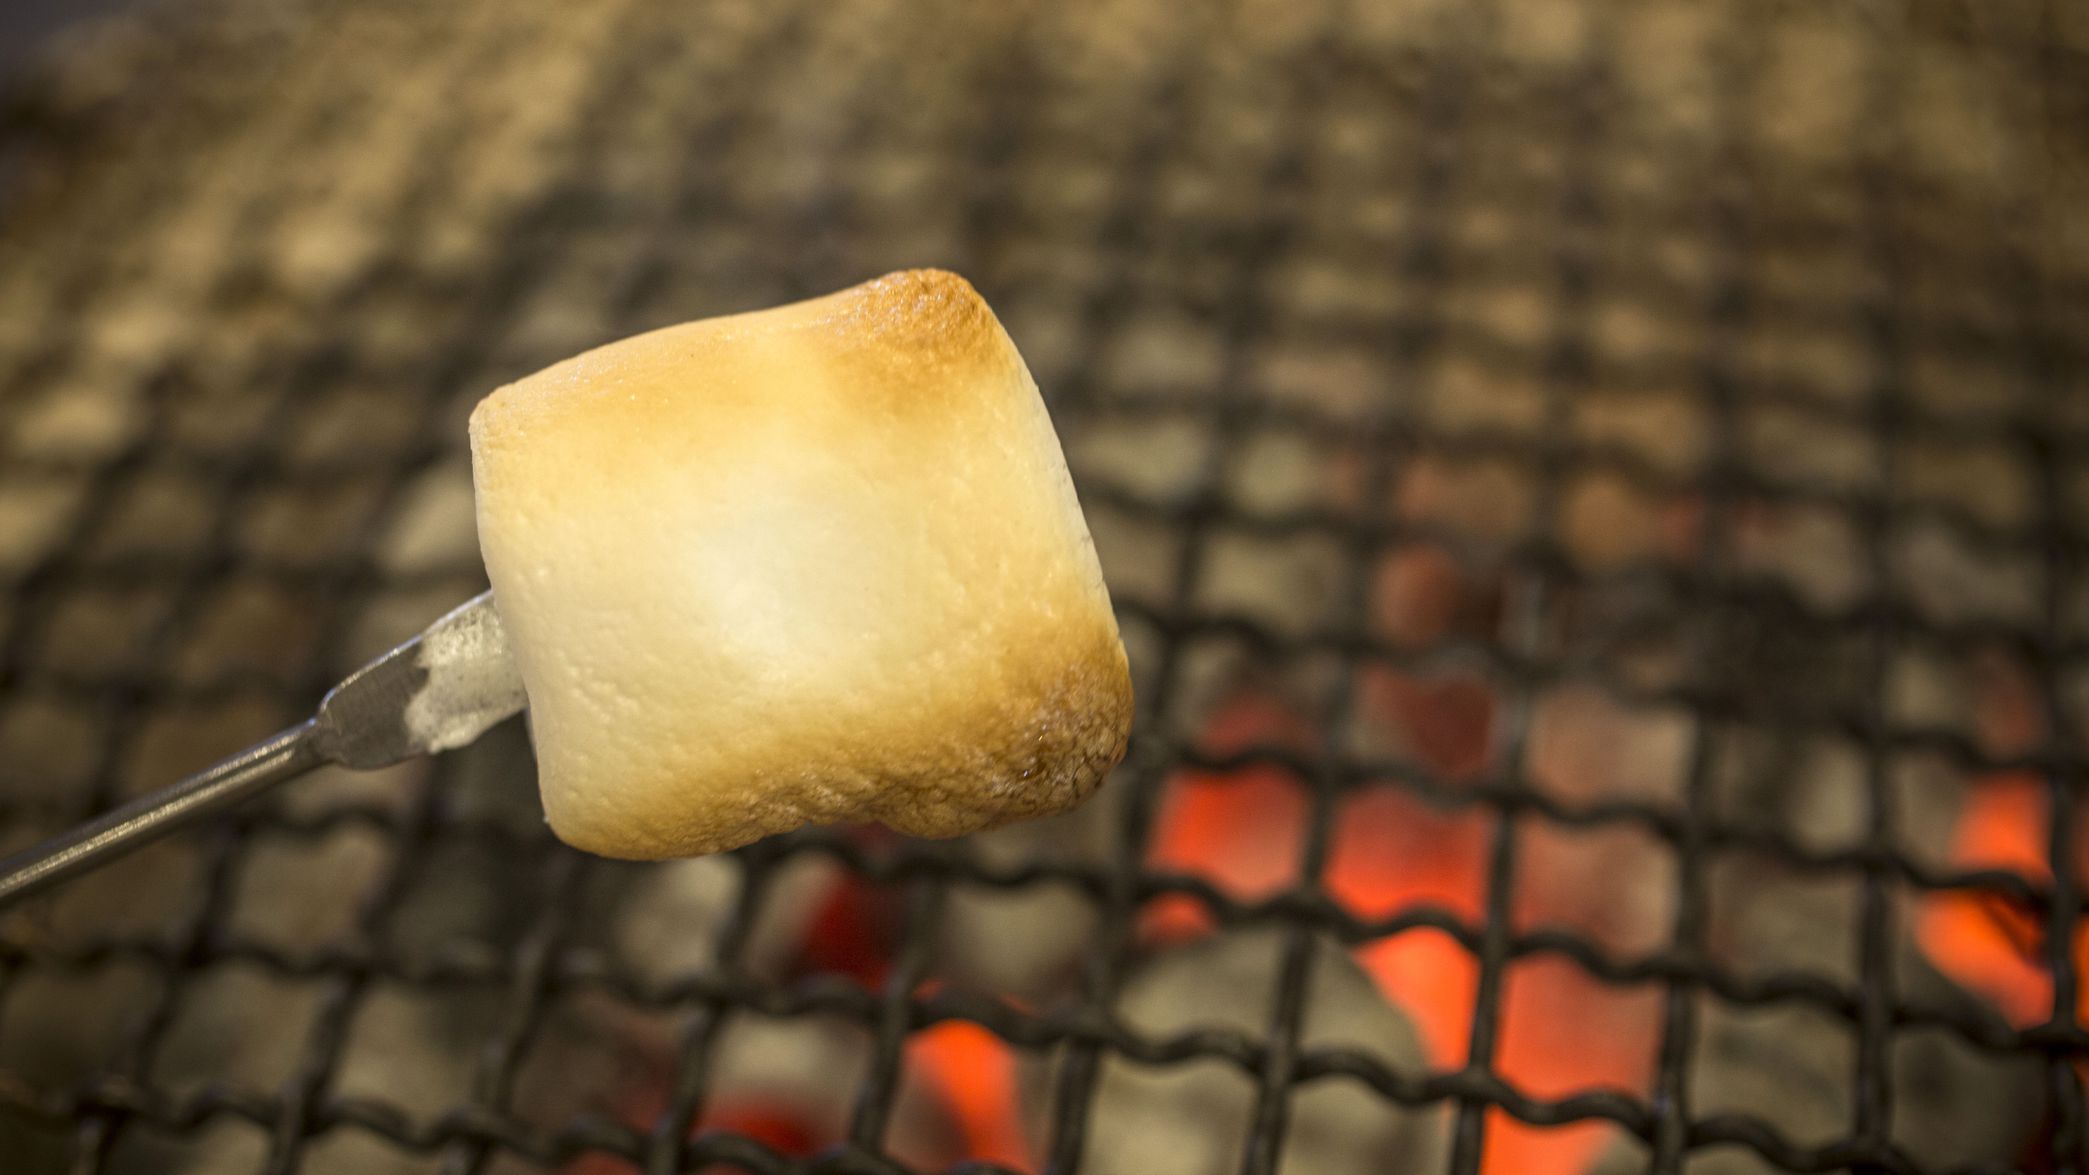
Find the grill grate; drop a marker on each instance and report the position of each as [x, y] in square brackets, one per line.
[1801, 287]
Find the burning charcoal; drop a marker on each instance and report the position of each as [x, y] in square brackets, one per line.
[794, 1081]
[300, 895]
[1587, 748]
[1610, 524]
[961, 1089]
[475, 890]
[414, 1049]
[1027, 942]
[149, 895]
[669, 920]
[786, 1081]
[1162, 1119]
[591, 1055]
[1238, 829]
[1993, 944]
[232, 1028]
[1486, 503]
[1954, 1107]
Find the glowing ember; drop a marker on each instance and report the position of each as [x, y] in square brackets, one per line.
[853, 932]
[783, 1127]
[1239, 830]
[1562, 1031]
[1393, 853]
[1985, 940]
[972, 1074]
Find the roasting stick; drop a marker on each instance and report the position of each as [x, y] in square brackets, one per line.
[438, 691]
[858, 497]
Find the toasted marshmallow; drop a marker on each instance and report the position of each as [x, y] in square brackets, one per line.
[810, 564]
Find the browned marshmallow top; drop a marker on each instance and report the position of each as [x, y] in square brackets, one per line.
[816, 563]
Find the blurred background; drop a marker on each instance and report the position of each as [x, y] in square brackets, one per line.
[29, 26]
[1596, 494]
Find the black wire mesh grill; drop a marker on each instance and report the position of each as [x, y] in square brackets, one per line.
[255, 280]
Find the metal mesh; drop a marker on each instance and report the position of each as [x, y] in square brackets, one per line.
[1310, 289]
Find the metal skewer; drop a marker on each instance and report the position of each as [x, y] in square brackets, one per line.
[438, 691]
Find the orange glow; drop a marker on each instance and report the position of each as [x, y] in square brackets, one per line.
[1562, 1030]
[1241, 830]
[1393, 853]
[1434, 980]
[1442, 720]
[972, 1073]
[777, 1127]
[1415, 594]
[1987, 942]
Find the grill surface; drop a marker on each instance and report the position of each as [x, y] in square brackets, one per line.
[1286, 273]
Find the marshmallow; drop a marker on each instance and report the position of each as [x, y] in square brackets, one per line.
[816, 563]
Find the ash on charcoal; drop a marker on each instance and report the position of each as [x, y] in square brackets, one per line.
[1027, 941]
[1788, 1064]
[1160, 1118]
